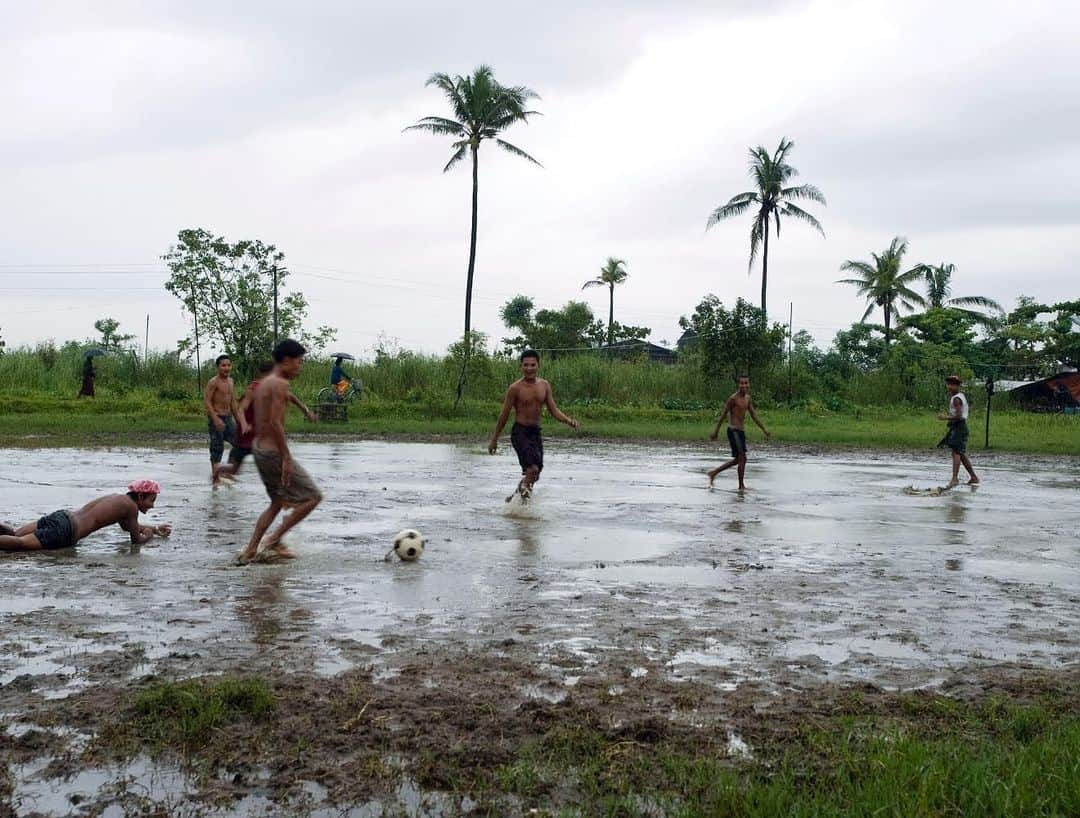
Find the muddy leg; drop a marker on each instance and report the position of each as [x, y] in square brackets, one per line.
[723, 467]
[532, 474]
[954, 480]
[742, 471]
[27, 542]
[263, 523]
[966, 461]
[299, 512]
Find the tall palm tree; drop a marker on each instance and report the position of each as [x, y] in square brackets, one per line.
[883, 285]
[939, 288]
[613, 272]
[481, 109]
[772, 200]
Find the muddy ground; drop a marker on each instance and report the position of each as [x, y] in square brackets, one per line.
[625, 596]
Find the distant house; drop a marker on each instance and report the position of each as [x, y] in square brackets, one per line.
[687, 341]
[630, 349]
[1056, 392]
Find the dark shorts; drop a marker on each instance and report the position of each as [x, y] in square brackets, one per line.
[528, 445]
[736, 438]
[57, 530]
[957, 437]
[237, 454]
[218, 439]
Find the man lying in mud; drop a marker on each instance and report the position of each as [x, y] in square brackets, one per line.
[62, 529]
[286, 482]
[739, 405]
[527, 396]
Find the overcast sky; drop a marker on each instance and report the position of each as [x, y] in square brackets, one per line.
[954, 124]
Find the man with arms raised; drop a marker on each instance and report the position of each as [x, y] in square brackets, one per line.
[62, 529]
[219, 401]
[738, 405]
[288, 485]
[527, 396]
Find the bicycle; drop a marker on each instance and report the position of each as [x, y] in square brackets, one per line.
[351, 394]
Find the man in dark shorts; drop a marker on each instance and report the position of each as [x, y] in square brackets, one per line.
[286, 482]
[62, 529]
[739, 405]
[246, 441]
[956, 437]
[526, 397]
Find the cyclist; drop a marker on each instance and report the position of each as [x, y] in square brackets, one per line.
[339, 380]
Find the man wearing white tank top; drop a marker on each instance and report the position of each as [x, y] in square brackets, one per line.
[957, 436]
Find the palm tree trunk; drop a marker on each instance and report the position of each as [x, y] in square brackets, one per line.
[887, 317]
[610, 315]
[765, 270]
[469, 278]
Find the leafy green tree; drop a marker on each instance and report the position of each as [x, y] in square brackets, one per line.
[883, 285]
[771, 199]
[573, 328]
[735, 341]
[481, 109]
[229, 288]
[612, 273]
[112, 340]
[939, 292]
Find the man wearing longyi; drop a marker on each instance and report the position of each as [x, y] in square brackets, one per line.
[64, 528]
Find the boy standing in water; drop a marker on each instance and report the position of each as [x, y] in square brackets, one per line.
[219, 400]
[527, 396]
[738, 405]
[957, 436]
[286, 482]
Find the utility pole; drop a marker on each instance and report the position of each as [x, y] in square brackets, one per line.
[198, 363]
[274, 271]
[791, 320]
[146, 342]
[989, 395]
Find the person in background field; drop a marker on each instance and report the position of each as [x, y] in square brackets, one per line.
[286, 482]
[527, 397]
[219, 401]
[339, 378]
[62, 529]
[88, 374]
[956, 437]
[739, 405]
[246, 440]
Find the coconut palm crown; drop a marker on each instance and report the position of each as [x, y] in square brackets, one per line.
[883, 285]
[481, 109]
[771, 199]
[613, 272]
[939, 289]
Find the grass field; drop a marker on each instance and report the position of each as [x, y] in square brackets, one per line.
[146, 419]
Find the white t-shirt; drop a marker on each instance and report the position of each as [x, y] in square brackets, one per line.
[963, 413]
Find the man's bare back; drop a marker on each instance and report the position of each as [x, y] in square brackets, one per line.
[269, 404]
[113, 508]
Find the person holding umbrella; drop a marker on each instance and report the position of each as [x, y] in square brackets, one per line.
[88, 373]
[339, 378]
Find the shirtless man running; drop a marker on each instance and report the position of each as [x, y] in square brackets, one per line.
[62, 529]
[222, 413]
[286, 482]
[526, 396]
[738, 405]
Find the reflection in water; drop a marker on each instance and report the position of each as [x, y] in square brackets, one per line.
[262, 609]
[529, 544]
[735, 526]
[955, 515]
[954, 565]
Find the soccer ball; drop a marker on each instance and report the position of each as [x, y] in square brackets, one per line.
[409, 544]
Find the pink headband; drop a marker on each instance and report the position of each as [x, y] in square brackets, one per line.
[145, 487]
